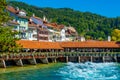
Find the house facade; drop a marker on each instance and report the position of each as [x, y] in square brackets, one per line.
[32, 30]
[35, 28]
[21, 18]
[42, 31]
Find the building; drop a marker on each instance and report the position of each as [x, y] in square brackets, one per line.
[14, 24]
[56, 32]
[35, 28]
[42, 31]
[32, 30]
[20, 18]
[71, 34]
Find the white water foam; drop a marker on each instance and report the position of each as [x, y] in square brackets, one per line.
[89, 71]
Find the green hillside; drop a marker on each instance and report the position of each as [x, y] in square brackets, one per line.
[88, 24]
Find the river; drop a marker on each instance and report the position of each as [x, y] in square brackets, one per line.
[63, 71]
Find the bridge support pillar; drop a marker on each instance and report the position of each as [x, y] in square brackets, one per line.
[32, 61]
[115, 58]
[78, 59]
[44, 60]
[103, 59]
[66, 58]
[55, 60]
[91, 58]
[2, 64]
[19, 62]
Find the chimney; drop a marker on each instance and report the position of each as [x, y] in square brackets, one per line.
[33, 15]
[109, 38]
[82, 39]
[44, 18]
[30, 20]
[17, 8]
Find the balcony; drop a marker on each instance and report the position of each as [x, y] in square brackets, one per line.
[23, 30]
[34, 32]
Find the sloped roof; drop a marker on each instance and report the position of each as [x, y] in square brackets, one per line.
[62, 45]
[32, 24]
[39, 45]
[90, 44]
[72, 29]
[14, 11]
[13, 23]
[38, 18]
[55, 26]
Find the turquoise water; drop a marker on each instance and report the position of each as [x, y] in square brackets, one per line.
[67, 71]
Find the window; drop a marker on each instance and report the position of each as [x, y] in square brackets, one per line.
[23, 35]
[15, 27]
[34, 36]
[22, 28]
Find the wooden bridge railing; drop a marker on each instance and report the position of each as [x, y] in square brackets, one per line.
[56, 54]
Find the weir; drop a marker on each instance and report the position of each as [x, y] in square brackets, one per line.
[51, 57]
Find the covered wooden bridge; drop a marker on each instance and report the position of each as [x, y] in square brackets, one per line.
[35, 52]
[86, 46]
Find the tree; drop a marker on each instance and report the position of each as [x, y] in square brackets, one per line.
[116, 35]
[114, 38]
[4, 16]
[100, 39]
[7, 36]
[88, 37]
[91, 24]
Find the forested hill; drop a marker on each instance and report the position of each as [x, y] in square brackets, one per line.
[88, 24]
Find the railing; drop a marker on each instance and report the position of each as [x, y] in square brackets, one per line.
[56, 54]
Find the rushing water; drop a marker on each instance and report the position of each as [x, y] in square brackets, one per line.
[60, 71]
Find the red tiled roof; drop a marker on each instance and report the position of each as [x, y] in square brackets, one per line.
[61, 45]
[54, 26]
[13, 10]
[91, 44]
[39, 45]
